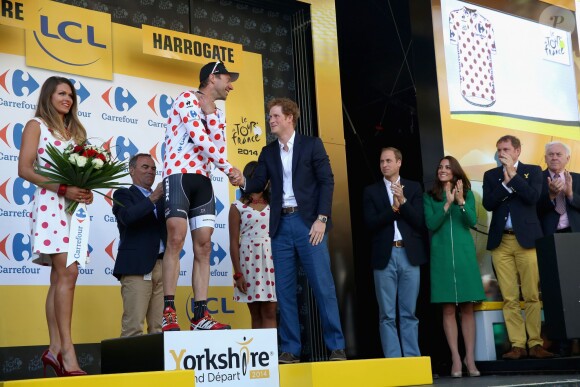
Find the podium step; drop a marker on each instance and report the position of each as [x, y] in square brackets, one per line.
[404, 371]
[141, 379]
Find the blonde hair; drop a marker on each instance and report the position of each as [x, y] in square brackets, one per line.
[71, 126]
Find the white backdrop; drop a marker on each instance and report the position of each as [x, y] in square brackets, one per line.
[129, 113]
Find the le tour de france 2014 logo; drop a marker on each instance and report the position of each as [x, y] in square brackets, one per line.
[246, 136]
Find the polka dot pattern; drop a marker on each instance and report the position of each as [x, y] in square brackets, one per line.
[49, 222]
[195, 135]
[255, 255]
[473, 34]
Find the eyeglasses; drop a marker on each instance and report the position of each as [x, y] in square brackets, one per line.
[213, 71]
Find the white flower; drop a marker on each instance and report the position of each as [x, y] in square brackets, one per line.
[81, 161]
[73, 159]
[98, 163]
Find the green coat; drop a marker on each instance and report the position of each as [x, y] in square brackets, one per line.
[455, 275]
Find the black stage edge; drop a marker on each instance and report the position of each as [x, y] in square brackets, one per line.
[132, 354]
[530, 366]
[17, 363]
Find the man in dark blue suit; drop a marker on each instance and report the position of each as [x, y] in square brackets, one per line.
[138, 266]
[302, 184]
[511, 192]
[393, 212]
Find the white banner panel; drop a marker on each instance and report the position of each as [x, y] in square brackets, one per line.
[128, 114]
[499, 65]
[235, 358]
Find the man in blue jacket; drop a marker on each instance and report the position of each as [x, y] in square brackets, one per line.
[511, 192]
[302, 184]
[393, 213]
[141, 224]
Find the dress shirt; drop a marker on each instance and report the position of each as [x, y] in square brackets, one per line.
[508, 223]
[563, 222]
[397, 236]
[288, 199]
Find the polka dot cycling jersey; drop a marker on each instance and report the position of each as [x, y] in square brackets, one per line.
[193, 140]
[473, 34]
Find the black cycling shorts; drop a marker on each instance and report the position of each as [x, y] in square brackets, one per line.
[190, 196]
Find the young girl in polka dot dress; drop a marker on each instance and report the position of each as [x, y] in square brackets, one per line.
[252, 255]
[55, 123]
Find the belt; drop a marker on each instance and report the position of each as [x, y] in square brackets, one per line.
[398, 243]
[289, 210]
[509, 231]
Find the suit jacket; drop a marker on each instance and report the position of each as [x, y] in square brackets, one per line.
[547, 214]
[140, 232]
[379, 218]
[312, 180]
[521, 204]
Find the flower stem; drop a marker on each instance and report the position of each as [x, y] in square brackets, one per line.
[71, 207]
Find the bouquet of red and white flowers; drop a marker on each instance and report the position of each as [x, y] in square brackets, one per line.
[85, 166]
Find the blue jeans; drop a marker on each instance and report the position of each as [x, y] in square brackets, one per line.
[291, 242]
[398, 277]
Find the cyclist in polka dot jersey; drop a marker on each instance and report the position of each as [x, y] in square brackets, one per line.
[194, 139]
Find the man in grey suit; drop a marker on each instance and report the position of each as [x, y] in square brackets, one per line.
[559, 204]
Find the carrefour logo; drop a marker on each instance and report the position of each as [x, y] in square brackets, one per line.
[17, 247]
[11, 135]
[218, 254]
[160, 104]
[82, 92]
[109, 249]
[219, 206]
[119, 98]
[158, 153]
[122, 147]
[18, 192]
[19, 83]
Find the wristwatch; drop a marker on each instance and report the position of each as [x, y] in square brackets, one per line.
[323, 218]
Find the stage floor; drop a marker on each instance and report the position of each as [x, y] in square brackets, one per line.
[567, 380]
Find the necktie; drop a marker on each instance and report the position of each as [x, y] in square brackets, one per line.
[560, 200]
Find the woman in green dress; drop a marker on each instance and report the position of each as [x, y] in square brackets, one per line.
[455, 276]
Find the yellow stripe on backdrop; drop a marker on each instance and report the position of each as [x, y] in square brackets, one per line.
[97, 313]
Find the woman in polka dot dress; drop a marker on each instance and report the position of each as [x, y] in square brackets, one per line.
[55, 123]
[252, 255]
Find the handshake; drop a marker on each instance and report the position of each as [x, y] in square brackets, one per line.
[236, 177]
